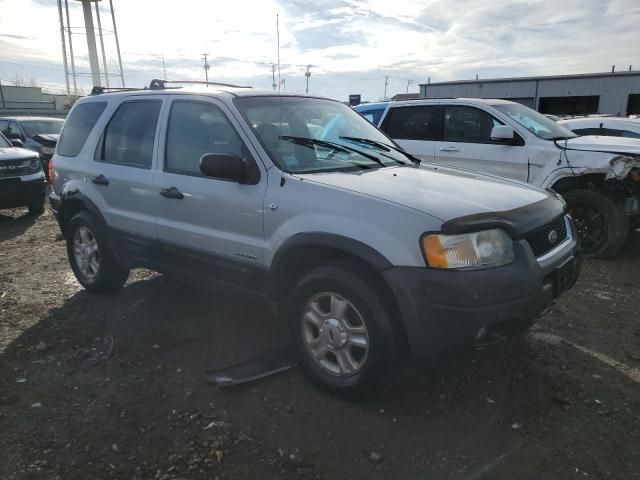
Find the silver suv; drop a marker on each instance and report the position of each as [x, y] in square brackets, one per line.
[306, 204]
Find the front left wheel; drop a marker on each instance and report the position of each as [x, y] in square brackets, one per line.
[90, 258]
[342, 331]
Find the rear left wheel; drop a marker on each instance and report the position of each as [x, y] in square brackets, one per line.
[90, 257]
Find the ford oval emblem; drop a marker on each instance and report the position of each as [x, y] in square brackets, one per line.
[553, 236]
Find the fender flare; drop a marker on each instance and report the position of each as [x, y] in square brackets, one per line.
[348, 245]
[76, 196]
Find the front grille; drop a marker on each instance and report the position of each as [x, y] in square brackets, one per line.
[542, 240]
[13, 168]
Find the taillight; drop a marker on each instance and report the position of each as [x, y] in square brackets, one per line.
[50, 171]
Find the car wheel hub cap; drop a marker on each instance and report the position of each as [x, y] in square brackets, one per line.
[334, 334]
[86, 252]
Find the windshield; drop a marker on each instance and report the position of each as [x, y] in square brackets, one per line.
[3, 142]
[36, 127]
[304, 135]
[535, 122]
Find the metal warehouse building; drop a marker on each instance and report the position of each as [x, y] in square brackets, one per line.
[613, 93]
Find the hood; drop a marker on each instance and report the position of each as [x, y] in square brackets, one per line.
[444, 193]
[15, 153]
[592, 143]
[47, 139]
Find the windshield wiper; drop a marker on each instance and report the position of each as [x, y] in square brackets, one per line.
[382, 146]
[307, 142]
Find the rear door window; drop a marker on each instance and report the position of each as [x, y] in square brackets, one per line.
[414, 123]
[130, 134]
[78, 126]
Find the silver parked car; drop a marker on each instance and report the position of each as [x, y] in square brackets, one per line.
[304, 203]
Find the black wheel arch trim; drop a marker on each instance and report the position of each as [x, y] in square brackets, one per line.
[88, 205]
[517, 222]
[330, 240]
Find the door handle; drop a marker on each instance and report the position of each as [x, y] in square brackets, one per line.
[449, 149]
[171, 192]
[100, 180]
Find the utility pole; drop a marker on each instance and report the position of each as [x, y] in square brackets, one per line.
[164, 68]
[206, 67]
[386, 82]
[273, 76]
[410, 82]
[308, 74]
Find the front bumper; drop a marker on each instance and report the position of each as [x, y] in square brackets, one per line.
[441, 309]
[22, 191]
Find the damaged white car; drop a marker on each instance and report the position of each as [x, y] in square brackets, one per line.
[599, 177]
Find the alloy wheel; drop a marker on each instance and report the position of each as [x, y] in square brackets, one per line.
[334, 334]
[86, 252]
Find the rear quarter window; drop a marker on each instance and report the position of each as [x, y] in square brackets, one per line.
[78, 126]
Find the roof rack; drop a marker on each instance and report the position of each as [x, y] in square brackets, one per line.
[157, 84]
[100, 90]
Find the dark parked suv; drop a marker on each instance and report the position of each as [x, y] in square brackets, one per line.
[22, 181]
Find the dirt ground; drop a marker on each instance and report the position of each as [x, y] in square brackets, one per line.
[112, 386]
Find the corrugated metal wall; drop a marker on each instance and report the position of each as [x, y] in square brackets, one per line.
[613, 90]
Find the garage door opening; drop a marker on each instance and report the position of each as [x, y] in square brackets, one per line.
[633, 106]
[570, 105]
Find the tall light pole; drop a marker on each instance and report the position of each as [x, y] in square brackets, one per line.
[386, 83]
[91, 43]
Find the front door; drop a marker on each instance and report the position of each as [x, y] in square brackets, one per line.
[466, 143]
[210, 226]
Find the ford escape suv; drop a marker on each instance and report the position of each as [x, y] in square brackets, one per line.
[303, 202]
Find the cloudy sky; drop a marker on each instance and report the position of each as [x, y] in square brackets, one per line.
[352, 45]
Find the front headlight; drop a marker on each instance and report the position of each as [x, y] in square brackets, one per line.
[485, 249]
[33, 165]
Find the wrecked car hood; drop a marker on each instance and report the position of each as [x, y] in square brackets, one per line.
[604, 144]
[438, 191]
[614, 156]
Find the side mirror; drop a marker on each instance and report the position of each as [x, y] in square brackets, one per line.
[16, 142]
[503, 134]
[224, 166]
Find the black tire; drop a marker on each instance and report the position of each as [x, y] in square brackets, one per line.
[349, 283]
[602, 224]
[37, 208]
[109, 276]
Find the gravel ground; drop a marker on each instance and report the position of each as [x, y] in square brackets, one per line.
[112, 386]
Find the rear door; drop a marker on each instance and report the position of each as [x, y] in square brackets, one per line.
[122, 171]
[207, 225]
[415, 128]
[467, 143]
